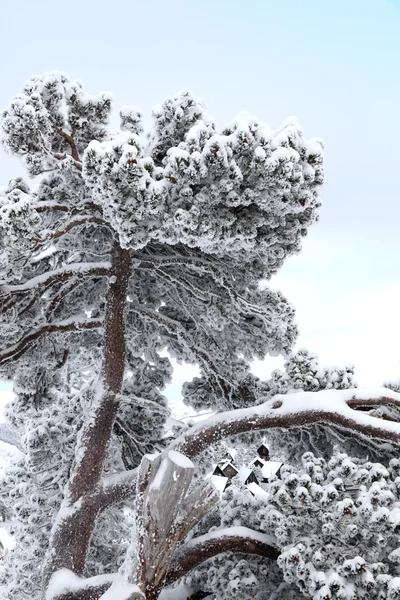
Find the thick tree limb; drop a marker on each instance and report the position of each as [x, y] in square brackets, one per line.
[73, 529]
[65, 585]
[77, 324]
[71, 142]
[186, 557]
[332, 407]
[285, 412]
[237, 539]
[117, 488]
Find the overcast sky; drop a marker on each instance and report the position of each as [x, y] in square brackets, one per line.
[332, 63]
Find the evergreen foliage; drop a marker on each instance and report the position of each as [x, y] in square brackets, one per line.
[188, 219]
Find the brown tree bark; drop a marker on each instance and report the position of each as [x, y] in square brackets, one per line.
[75, 523]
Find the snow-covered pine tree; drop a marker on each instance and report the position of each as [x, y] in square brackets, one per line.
[334, 523]
[302, 372]
[123, 247]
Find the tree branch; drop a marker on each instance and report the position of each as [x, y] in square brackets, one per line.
[237, 539]
[71, 533]
[70, 140]
[65, 585]
[332, 407]
[60, 275]
[79, 221]
[176, 328]
[15, 351]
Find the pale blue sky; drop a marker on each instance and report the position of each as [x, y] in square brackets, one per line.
[332, 63]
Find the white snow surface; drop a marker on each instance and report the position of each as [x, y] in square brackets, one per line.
[270, 468]
[244, 473]
[121, 590]
[219, 482]
[325, 401]
[242, 532]
[64, 581]
[257, 491]
[180, 459]
[180, 592]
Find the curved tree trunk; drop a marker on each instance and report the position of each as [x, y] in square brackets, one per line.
[76, 519]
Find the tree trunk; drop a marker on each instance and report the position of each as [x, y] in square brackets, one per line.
[76, 519]
[164, 516]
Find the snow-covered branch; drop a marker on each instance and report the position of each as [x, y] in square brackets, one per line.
[71, 324]
[65, 585]
[117, 488]
[230, 539]
[60, 275]
[333, 407]
[79, 221]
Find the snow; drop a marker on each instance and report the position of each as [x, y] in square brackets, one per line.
[270, 468]
[257, 491]
[78, 268]
[238, 531]
[180, 592]
[331, 402]
[244, 473]
[180, 459]
[64, 581]
[157, 481]
[44, 254]
[123, 591]
[219, 482]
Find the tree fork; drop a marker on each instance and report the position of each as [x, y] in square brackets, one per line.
[75, 523]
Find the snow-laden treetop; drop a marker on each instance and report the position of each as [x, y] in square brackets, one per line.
[201, 213]
[244, 190]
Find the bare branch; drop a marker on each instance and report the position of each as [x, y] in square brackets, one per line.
[16, 350]
[196, 551]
